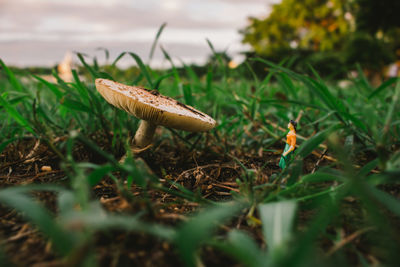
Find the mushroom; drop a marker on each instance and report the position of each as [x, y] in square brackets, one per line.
[154, 109]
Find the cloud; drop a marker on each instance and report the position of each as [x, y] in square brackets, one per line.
[84, 24]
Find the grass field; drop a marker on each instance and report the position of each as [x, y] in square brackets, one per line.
[209, 199]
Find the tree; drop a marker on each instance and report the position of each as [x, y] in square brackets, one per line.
[331, 35]
[376, 38]
[315, 25]
[378, 16]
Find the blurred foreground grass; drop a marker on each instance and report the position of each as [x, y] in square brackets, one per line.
[216, 198]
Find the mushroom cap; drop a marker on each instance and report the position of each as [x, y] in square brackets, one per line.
[153, 107]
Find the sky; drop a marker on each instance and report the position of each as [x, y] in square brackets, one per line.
[40, 32]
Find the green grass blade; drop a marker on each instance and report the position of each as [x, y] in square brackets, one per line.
[326, 96]
[140, 63]
[66, 202]
[97, 104]
[363, 79]
[106, 53]
[96, 219]
[243, 248]
[40, 217]
[199, 229]
[367, 168]
[11, 77]
[153, 46]
[60, 81]
[319, 88]
[308, 146]
[215, 53]
[174, 70]
[16, 116]
[81, 88]
[53, 88]
[98, 174]
[320, 177]
[191, 73]
[92, 71]
[252, 72]
[295, 169]
[75, 105]
[187, 94]
[137, 79]
[360, 125]
[209, 81]
[382, 87]
[162, 78]
[287, 83]
[390, 113]
[304, 246]
[95, 64]
[16, 100]
[389, 201]
[211, 46]
[105, 75]
[277, 221]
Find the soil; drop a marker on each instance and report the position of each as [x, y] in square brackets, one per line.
[211, 172]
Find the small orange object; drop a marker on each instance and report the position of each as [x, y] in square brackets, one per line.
[46, 169]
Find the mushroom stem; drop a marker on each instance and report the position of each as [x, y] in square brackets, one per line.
[144, 134]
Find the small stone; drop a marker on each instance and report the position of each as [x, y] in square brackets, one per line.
[46, 169]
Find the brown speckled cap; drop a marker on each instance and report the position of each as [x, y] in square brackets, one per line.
[154, 107]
